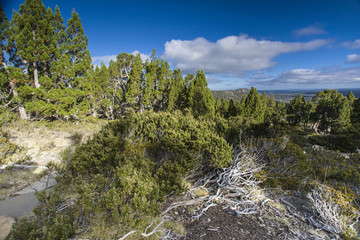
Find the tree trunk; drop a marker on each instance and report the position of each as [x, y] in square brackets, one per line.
[36, 77]
[21, 108]
[22, 112]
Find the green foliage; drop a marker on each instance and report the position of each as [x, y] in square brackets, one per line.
[296, 110]
[121, 174]
[253, 106]
[355, 116]
[4, 32]
[33, 35]
[76, 45]
[76, 138]
[332, 111]
[133, 89]
[200, 99]
[286, 164]
[177, 92]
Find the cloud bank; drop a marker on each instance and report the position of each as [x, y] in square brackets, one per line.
[232, 54]
[311, 77]
[310, 30]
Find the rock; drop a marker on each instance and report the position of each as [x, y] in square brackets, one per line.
[18, 206]
[5, 226]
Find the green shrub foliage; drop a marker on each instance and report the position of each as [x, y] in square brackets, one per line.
[126, 168]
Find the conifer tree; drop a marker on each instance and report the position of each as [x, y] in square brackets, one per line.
[225, 108]
[218, 107]
[117, 84]
[271, 101]
[4, 35]
[177, 91]
[264, 99]
[351, 98]
[189, 78]
[232, 108]
[150, 79]
[61, 69]
[253, 106]
[279, 114]
[332, 111]
[133, 85]
[77, 43]
[239, 105]
[50, 44]
[296, 110]
[355, 116]
[33, 36]
[161, 89]
[200, 99]
[5, 88]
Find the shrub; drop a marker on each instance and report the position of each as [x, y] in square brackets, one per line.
[127, 168]
[76, 138]
[123, 172]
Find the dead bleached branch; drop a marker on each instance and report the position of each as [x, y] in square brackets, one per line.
[331, 211]
[235, 187]
[159, 230]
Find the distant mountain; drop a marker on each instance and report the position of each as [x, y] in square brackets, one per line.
[279, 95]
[230, 94]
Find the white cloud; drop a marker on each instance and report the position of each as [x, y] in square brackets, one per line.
[310, 30]
[106, 59]
[143, 56]
[353, 45]
[311, 78]
[232, 54]
[353, 58]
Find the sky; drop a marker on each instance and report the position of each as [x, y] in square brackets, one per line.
[268, 44]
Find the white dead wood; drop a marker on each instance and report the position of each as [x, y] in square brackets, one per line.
[159, 230]
[331, 217]
[236, 186]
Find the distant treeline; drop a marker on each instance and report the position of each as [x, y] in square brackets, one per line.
[279, 95]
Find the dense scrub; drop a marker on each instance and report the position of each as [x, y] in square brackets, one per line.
[124, 171]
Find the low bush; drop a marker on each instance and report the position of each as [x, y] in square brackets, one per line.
[123, 172]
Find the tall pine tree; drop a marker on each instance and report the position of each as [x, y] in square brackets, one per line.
[253, 107]
[133, 85]
[177, 91]
[4, 35]
[200, 99]
[33, 36]
[77, 43]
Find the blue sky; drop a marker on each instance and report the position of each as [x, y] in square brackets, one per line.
[273, 44]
